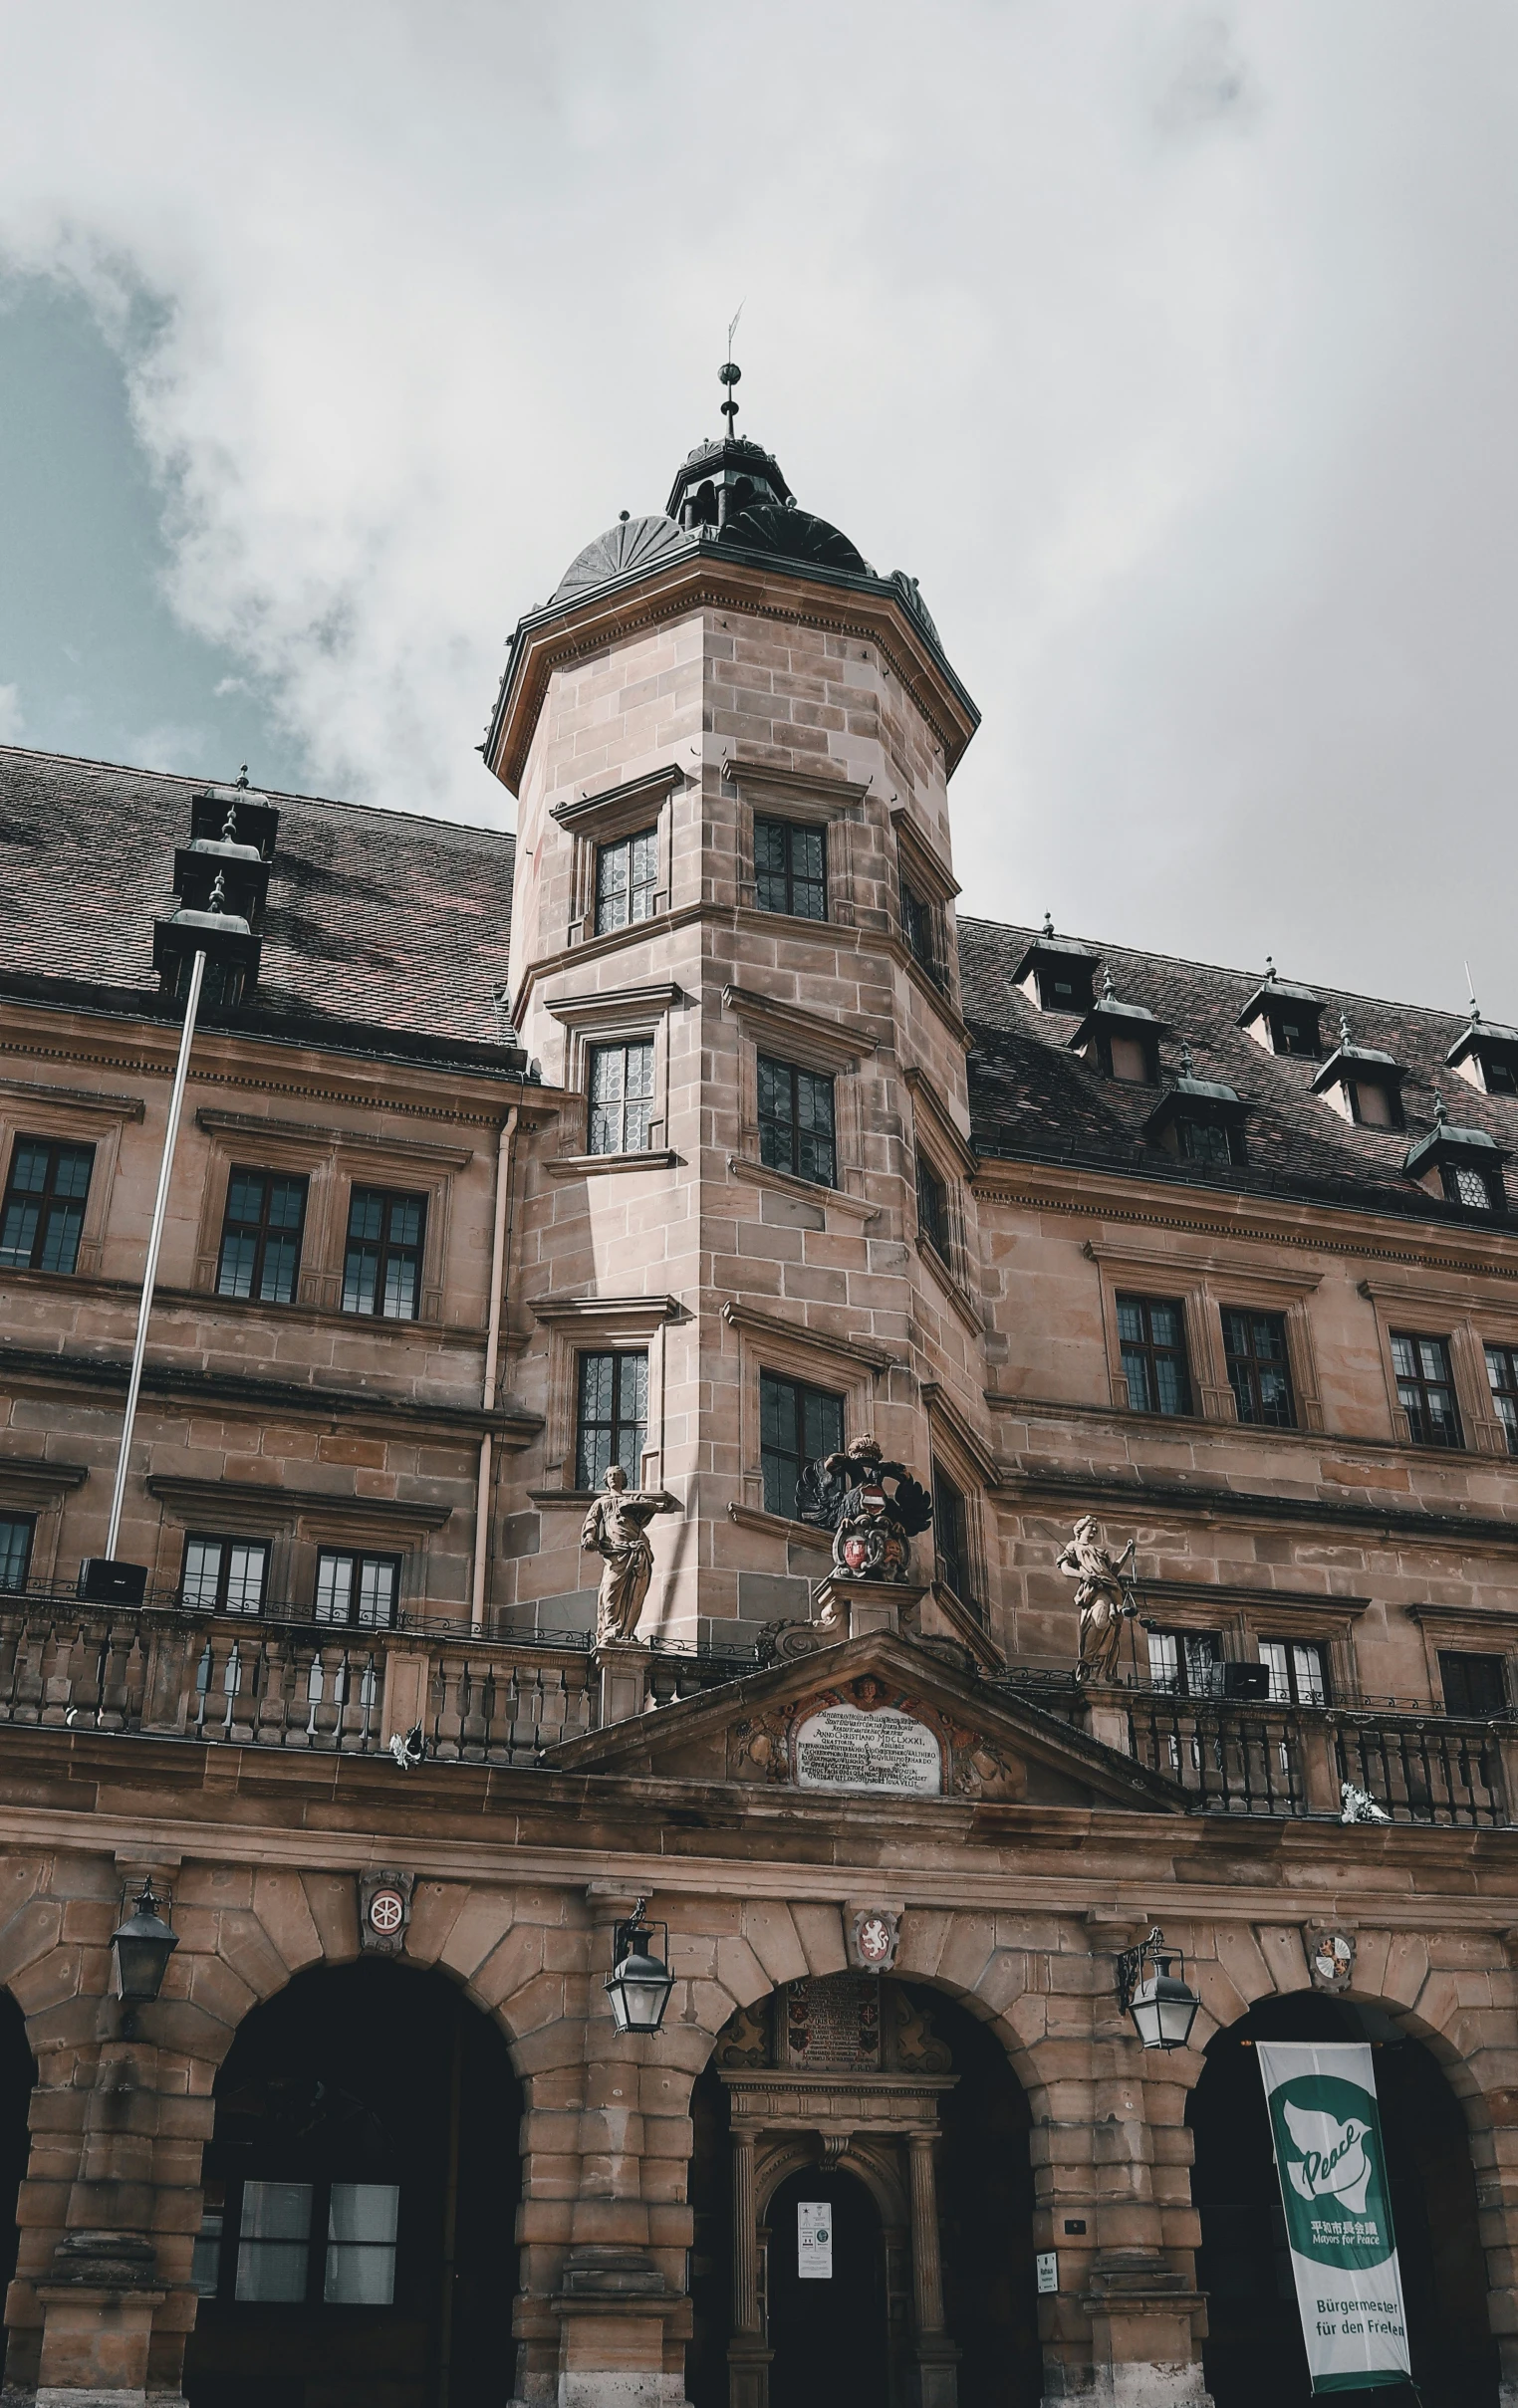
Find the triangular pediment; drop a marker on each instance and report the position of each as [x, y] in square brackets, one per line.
[874, 1716]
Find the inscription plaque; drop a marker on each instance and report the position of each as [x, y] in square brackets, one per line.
[844, 1748]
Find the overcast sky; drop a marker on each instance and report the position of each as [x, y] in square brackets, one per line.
[1175, 349]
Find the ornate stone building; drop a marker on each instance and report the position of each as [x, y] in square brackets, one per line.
[710, 1141]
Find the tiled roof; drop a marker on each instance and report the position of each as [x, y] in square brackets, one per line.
[375, 919]
[1033, 1099]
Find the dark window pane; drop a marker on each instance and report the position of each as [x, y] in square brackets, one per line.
[14, 1549]
[932, 1206]
[612, 1421]
[1254, 1345]
[357, 1588]
[382, 1268]
[1473, 1684]
[43, 1216]
[951, 1536]
[917, 923]
[1425, 1389]
[790, 869]
[797, 1425]
[1151, 1339]
[261, 1237]
[796, 1128]
[1502, 1372]
[1207, 1141]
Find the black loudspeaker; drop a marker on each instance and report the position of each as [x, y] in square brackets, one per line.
[105, 1582]
[1246, 1680]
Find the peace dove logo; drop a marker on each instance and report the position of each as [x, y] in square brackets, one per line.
[1333, 2163]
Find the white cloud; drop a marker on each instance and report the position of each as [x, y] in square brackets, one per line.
[1170, 347]
[11, 722]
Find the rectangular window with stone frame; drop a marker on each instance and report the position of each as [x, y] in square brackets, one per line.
[261, 1237]
[932, 1207]
[798, 1425]
[622, 1096]
[1474, 1686]
[611, 1417]
[16, 1534]
[382, 1266]
[1152, 1337]
[951, 1538]
[627, 880]
[1502, 1376]
[224, 1576]
[1259, 1373]
[791, 869]
[1425, 1389]
[797, 1129]
[356, 1590]
[1297, 1672]
[44, 1211]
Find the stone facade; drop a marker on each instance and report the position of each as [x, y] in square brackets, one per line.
[953, 1288]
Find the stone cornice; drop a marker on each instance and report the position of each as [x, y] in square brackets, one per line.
[800, 1334]
[1165, 1498]
[1093, 1194]
[706, 578]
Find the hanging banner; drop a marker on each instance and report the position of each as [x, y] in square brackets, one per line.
[1325, 2130]
[814, 2241]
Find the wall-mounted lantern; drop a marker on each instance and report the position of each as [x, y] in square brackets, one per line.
[141, 1947]
[1161, 2003]
[640, 1982]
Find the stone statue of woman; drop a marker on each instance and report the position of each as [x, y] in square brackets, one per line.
[1103, 1597]
[617, 1528]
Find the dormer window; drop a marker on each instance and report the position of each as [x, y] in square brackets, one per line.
[1485, 1055]
[1121, 1040]
[1283, 1018]
[1200, 1120]
[1057, 973]
[1464, 1165]
[1362, 1084]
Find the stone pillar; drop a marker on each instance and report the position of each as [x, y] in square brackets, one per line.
[937, 2379]
[1143, 2321]
[622, 1681]
[749, 2353]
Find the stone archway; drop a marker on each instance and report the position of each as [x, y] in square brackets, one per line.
[18, 2079]
[361, 2187]
[1254, 2356]
[899, 2089]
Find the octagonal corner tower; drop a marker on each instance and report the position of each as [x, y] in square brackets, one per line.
[733, 949]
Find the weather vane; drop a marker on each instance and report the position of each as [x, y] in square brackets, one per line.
[730, 375]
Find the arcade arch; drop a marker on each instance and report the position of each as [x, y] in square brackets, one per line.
[1254, 2355]
[360, 2185]
[888, 2104]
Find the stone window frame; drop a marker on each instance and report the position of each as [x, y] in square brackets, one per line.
[833, 805]
[592, 821]
[852, 1367]
[600, 1325]
[297, 1524]
[935, 885]
[1466, 1630]
[616, 1016]
[65, 1115]
[40, 1489]
[832, 1049]
[1435, 1309]
[1244, 1616]
[1203, 1281]
[334, 1162]
[953, 1162]
[973, 1469]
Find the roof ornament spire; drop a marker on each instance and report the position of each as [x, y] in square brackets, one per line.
[229, 826]
[1187, 1070]
[1470, 989]
[242, 776]
[1441, 1114]
[1106, 984]
[729, 374]
[1344, 1028]
[1048, 929]
[1270, 969]
[216, 900]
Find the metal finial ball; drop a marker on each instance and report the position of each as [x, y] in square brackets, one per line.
[728, 373]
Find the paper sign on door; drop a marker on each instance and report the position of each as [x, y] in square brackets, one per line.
[814, 2241]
